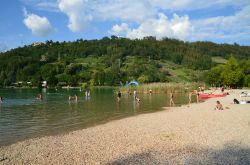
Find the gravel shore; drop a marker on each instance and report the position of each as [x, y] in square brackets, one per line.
[180, 135]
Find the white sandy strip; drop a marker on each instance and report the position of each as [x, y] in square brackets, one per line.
[181, 135]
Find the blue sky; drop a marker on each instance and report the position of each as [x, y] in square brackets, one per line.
[26, 21]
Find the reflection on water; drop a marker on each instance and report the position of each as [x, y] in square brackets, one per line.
[22, 116]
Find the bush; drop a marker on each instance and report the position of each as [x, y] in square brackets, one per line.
[247, 81]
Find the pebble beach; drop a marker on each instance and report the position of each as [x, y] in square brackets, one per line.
[195, 134]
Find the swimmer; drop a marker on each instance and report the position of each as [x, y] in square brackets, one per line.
[72, 98]
[39, 97]
[137, 99]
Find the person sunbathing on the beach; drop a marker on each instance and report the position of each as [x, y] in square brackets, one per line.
[218, 106]
[240, 102]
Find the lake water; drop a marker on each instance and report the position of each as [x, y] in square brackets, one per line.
[22, 116]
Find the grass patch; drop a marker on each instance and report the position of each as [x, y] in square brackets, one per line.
[219, 60]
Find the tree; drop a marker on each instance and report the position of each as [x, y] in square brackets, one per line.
[232, 74]
[213, 77]
[247, 81]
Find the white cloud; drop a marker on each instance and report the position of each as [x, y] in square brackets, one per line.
[126, 10]
[46, 5]
[82, 12]
[120, 29]
[231, 28]
[144, 13]
[3, 47]
[40, 26]
[177, 5]
[177, 27]
[76, 10]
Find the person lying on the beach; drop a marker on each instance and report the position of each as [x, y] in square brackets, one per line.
[218, 106]
[240, 102]
[245, 94]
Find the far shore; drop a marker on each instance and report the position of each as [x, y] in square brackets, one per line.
[195, 134]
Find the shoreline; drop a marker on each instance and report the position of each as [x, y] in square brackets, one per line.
[177, 135]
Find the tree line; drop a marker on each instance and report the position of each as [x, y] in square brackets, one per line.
[108, 61]
[233, 74]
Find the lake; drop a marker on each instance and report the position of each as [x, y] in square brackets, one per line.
[22, 116]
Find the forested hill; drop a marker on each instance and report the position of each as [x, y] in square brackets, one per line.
[110, 60]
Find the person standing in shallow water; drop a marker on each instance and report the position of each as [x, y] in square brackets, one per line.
[190, 98]
[197, 95]
[135, 94]
[119, 95]
[1, 99]
[171, 99]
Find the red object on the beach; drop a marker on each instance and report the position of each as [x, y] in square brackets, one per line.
[210, 95]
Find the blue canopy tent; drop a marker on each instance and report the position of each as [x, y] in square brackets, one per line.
[133, 82]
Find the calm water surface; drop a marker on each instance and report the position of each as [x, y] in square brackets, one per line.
[22, 116]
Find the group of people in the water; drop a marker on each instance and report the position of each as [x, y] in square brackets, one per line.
[136, 98]
[70, 98]
[171, 96]
[190, 95]
[75, 98]
[196, 93]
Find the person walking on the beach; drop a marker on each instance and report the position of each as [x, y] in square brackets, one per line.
[119, 95]
[171, 99]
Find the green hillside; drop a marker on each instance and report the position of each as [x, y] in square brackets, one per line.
[109, 61]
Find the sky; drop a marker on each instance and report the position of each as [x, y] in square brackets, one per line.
[23, 22]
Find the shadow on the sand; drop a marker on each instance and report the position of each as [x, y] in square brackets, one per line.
[229, 155]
